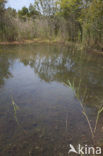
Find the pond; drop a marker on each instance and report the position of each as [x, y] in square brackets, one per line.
[49, 98]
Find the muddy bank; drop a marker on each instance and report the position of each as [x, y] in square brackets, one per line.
[32, 41]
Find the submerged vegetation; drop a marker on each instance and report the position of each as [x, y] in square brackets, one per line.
[64, 20]
[15, 108]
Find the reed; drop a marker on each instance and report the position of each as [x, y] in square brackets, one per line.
[15, 108]
[82, 100]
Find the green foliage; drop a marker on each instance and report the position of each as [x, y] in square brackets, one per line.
[32, 11]
[7, 29]
[23, 12]
[71, 20]
[93, 23]
[87, 16]
[11, 12]
[69, 7]
[2, 5]
[28, 12]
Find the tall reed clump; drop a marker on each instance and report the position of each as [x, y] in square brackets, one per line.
[7, 29]
[24, 29]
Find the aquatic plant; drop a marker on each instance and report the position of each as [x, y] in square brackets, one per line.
[15, 108]
[82, 100]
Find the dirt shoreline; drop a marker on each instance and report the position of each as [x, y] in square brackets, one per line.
[32, 41]
[51, 42]
[95, 51]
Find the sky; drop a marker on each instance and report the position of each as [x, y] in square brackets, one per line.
[18, 4]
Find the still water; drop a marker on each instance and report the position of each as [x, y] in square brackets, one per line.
[43, 93]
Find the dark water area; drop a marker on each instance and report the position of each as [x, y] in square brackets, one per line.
[43, 91]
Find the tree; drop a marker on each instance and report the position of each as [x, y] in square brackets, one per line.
[12, 12]
[2, 11]
[32, 11]
[71, 11]
[2, 8]
[24, 12]
[70, 7]
[46, 7]
[28, 12]
[93, 22]
[2, 5]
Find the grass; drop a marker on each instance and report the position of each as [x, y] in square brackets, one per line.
[15, 108]
[82, 100]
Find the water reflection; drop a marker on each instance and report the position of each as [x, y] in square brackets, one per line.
[50, 113]
[61, 65]
[4, 68]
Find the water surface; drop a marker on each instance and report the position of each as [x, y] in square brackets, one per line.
[38, 79]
